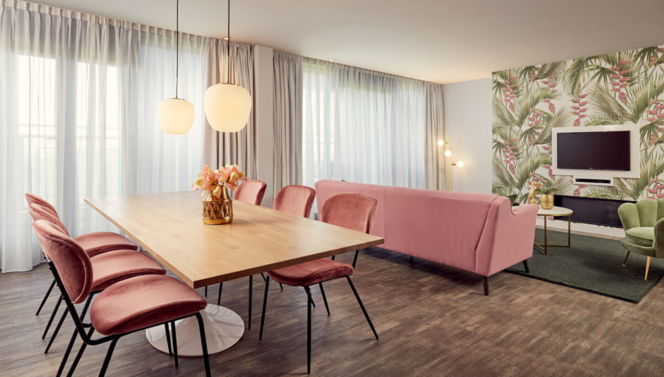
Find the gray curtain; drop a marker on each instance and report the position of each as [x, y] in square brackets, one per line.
[287, 120]
[435, 130]
[239, 147]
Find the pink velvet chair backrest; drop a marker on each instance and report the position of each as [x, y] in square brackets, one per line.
[295, 199]
[39, 212]
[250, 192]
[350, 210]
[34, 199]
[70, 260]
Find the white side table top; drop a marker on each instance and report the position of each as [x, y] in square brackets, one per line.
[555, 211]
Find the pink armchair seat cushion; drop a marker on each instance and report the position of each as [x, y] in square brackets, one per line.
[114, 266]
[309, 273]
[251, 192]
[141, 302]
[295, 199]
[102, 242]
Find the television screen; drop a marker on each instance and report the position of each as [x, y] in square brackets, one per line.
[606, 150]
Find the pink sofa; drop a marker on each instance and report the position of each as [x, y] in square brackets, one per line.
[480, 233]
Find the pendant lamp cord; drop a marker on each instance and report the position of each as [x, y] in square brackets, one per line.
[177, 46]
[228, 46]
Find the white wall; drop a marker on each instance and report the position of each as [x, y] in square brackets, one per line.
[468, 129]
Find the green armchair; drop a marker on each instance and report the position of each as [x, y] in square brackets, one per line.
[644, 229]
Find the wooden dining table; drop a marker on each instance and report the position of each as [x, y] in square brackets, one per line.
[169, 227]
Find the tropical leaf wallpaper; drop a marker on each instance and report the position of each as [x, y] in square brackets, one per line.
[622, 88]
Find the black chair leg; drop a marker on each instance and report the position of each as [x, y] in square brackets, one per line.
[267, 285]
[78, 355]
[206, 358]
[50, 320]
[48, 293]
[251, 285]
[355, 259]
[362, 306]
[281, 286]
[107, 360]
[57, 329]
[525, 265]
[67, 352]
[175, 343]
[221, 287]
[310, 297]
[205, 291]
[322, 291]
[264, 277]
[168, 339]
[308, 330]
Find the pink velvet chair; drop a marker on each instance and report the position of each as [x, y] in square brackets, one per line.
[123, 307]
[94, 244]
[250, 192]
[352, 211]
[295, 199]
[109, 267]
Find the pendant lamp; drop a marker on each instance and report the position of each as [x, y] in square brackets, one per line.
[227, 106]
[176, 115]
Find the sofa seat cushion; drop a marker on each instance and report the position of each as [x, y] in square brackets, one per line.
[142, 302]
[310, 273]
[102, 242]
[114, 266]
[642, 236]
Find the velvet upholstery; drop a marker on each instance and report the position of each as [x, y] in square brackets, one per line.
[295, 199]
[40, 212]
[142, 302]
[310, 273]
[480, 233]
[32, 198]
[114, 266]
[94, 243]
[644, 227]
[71, 261]
[350, 210]
[251, 192]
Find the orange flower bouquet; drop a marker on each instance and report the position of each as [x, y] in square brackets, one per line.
[218, 210]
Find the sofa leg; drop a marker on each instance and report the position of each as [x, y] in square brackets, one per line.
[525, 265]
[486, 285]
[626, 256]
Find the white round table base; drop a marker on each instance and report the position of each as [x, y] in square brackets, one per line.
[223, 328]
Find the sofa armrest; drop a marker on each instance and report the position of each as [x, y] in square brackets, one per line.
[629, 215]
[508, 237]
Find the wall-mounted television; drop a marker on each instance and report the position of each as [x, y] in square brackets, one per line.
[606, 150]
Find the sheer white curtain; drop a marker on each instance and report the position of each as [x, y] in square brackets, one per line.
[362, 126]
[78, 112]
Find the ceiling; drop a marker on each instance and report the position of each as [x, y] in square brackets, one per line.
[442, 41]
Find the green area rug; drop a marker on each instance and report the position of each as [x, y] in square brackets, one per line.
[594, 265]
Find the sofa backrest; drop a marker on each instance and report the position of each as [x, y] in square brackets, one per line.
[444, 227]
[644, 213]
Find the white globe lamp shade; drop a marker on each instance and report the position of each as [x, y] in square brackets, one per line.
[460, 164]
[227, 107]
[176, 116]
[441, 142]
[448, 153]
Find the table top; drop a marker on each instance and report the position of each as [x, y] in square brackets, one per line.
[170, 227]
[555, 211]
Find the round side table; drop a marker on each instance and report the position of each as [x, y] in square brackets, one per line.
[555, 212]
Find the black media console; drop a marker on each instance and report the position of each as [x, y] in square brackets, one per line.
[591, 210]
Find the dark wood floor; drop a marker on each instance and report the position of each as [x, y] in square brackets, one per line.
[432, 321]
